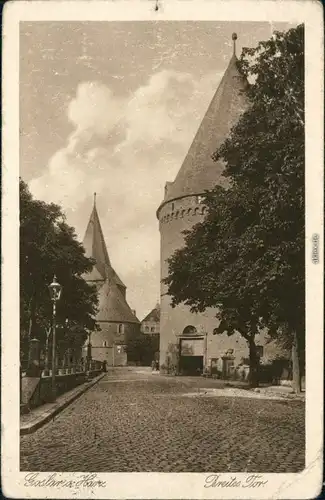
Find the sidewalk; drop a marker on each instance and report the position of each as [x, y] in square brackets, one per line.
[39, 416]
[282, 391]
[277, 393]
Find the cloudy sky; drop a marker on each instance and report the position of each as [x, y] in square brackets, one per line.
[112, 108]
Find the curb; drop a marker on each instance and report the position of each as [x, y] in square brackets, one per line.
[29, 429]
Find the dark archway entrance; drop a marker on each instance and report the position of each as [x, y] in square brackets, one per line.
[191, 365]
[191, 357]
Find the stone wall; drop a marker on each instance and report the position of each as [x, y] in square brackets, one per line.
[175, 217]
[38, 391]
[114, 355]
[107, 343]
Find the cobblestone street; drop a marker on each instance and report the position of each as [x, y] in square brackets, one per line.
[140, 422]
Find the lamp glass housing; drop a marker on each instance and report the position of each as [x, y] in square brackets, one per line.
[55, 290]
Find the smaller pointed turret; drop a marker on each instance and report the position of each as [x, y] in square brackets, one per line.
[113, 305]
[95, 246]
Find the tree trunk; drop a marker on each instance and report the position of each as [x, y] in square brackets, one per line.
[296, 373]
[253, 364]
[32, 316]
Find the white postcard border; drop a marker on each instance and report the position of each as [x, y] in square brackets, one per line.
[163, 485]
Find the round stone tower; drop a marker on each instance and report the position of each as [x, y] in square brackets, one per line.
[185, 338]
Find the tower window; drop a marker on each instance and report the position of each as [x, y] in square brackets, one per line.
[120, 328]
[173, 206]
[104, 343]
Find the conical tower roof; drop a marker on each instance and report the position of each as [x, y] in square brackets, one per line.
[111, 290]
[95, 247]
[112, 305]
[199, 173]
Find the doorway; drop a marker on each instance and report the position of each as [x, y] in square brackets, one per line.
[191, 360]
[191, 365]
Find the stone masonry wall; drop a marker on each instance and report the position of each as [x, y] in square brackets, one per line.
[108, 338]
[175, 217]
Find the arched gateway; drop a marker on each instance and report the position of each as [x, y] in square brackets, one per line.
[192, 351]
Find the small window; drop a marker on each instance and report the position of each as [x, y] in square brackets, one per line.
[173, 206]
[104, 343]
[120, 328]
[146, 329]
[152, 329]
[189, 330]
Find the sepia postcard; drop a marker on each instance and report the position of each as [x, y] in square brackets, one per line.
[162, 236]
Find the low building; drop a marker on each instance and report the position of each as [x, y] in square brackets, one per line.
[150, 325]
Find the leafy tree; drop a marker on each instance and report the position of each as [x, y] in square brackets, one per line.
[48, 246]
[209, 271]
[142, 348]
[247, 256]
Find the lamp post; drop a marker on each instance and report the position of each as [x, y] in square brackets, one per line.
[46, 368]
[89, 353]
[55, 290]
[67, 349]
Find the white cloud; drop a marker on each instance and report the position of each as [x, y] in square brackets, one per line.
[95, 108]
[125, 150]
[155, 111]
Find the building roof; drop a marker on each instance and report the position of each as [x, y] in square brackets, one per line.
[95, 247]
[154, 315]
[199, 173]
[111, 290]
[112, 305]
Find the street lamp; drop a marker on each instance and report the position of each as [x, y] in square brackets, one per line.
[48, 333]
[89, 354]
[55, 290]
